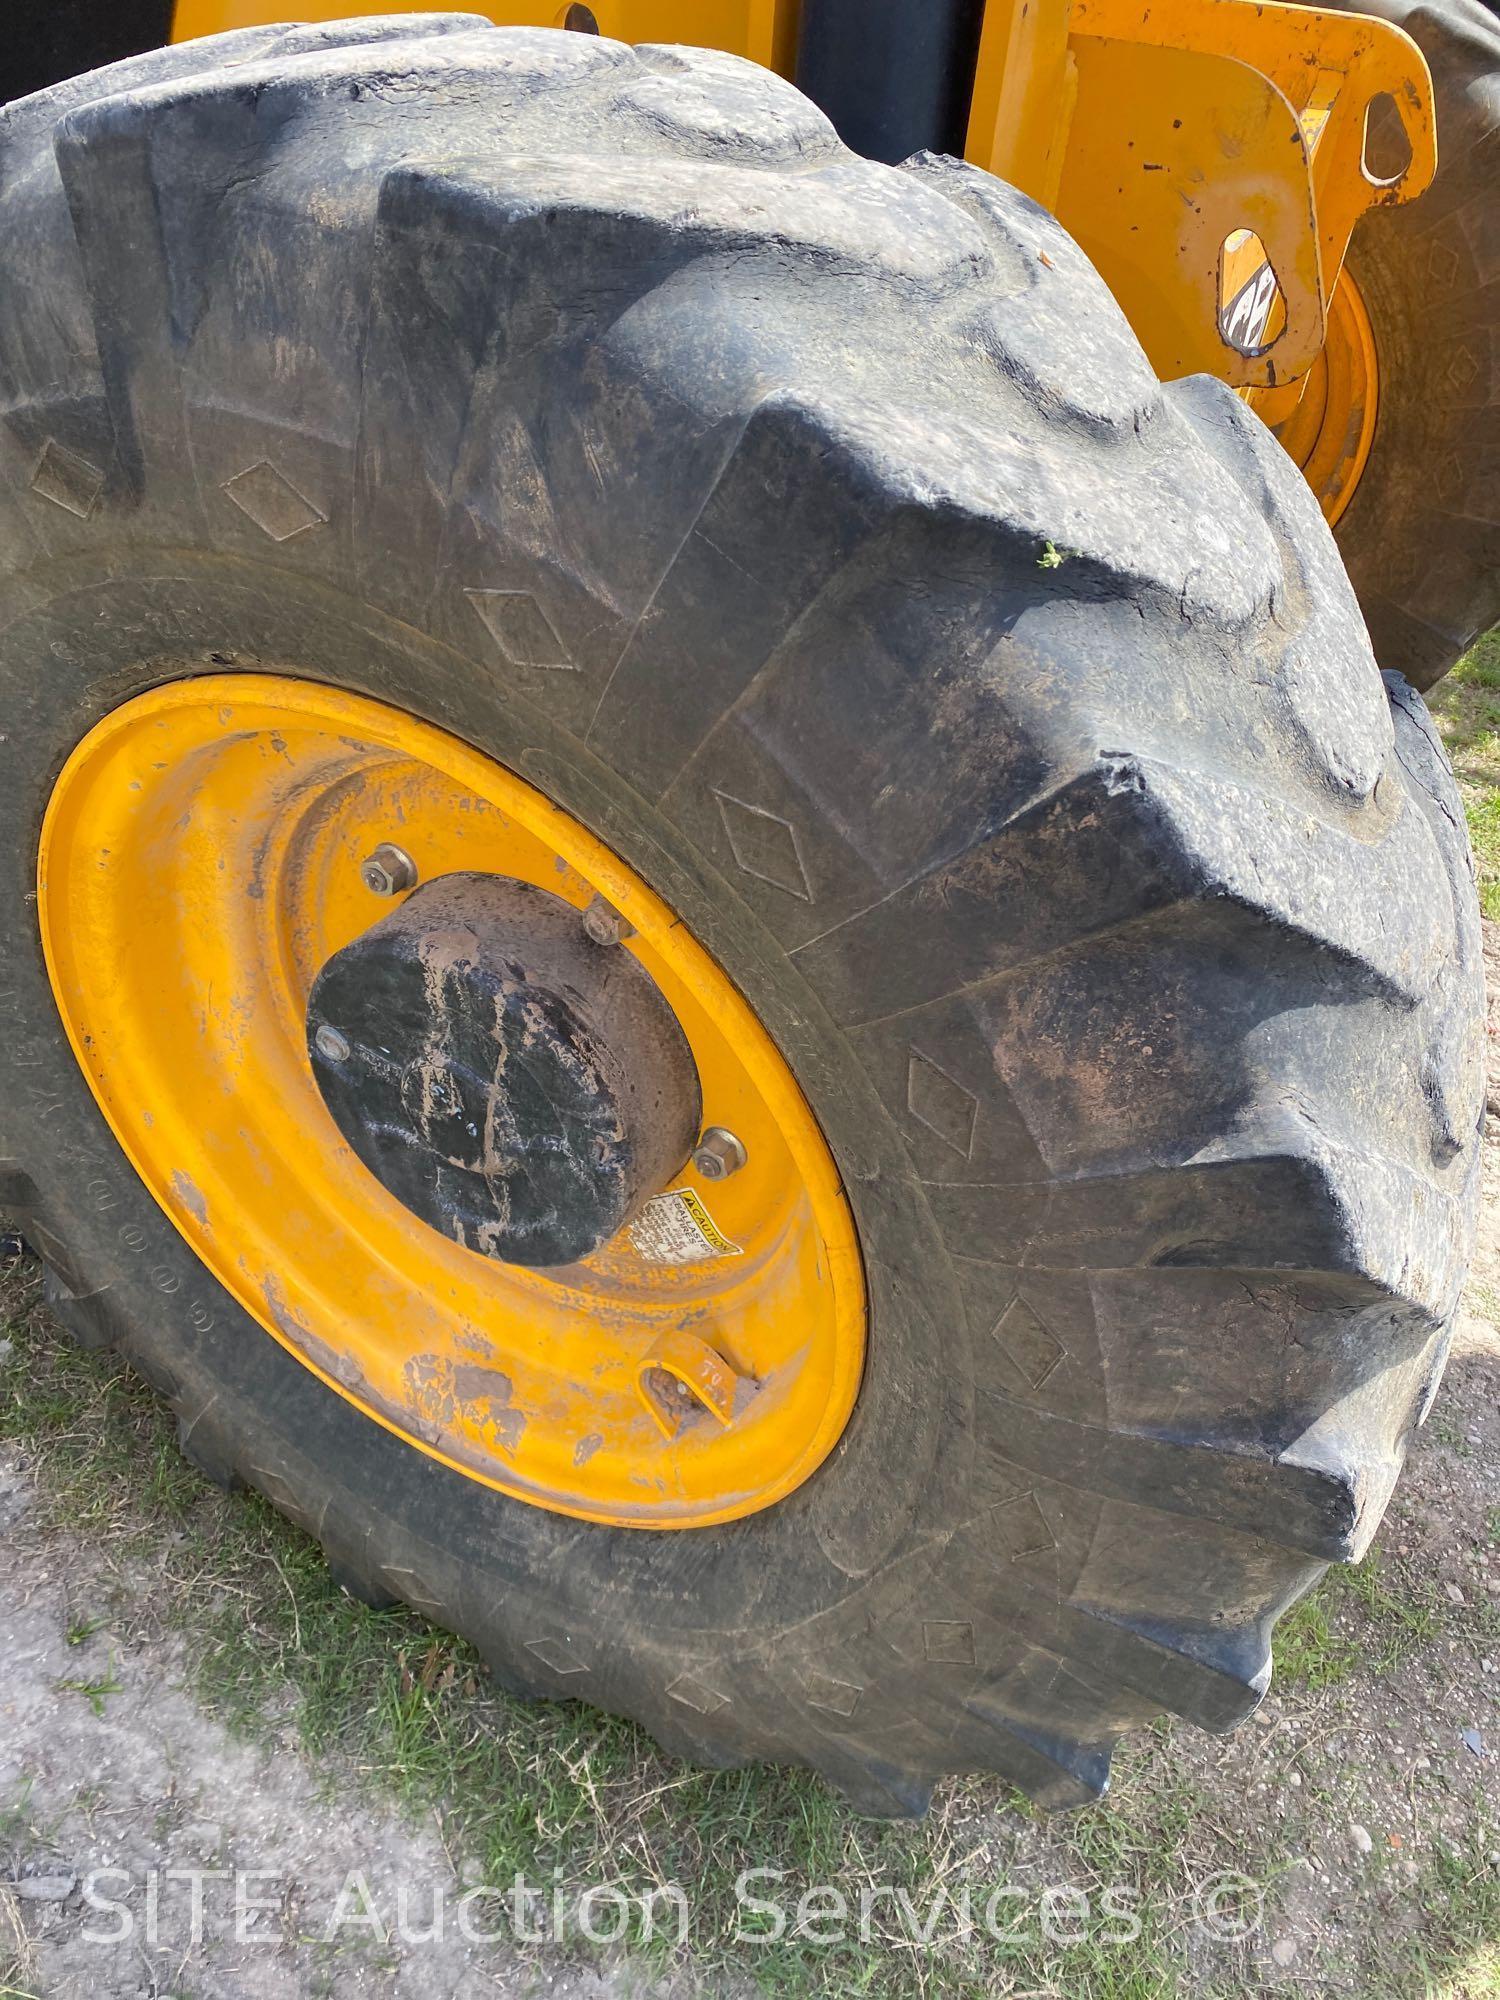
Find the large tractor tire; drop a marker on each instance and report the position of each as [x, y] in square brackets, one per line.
[1420, 535]
[505, 453]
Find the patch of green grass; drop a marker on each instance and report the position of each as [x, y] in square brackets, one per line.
[1456, 1955]
[1483, 1301]
[15, 1816]
[1358, 1618]
[13, 1984]
[1466, 708]
[1312, 1649]
[1483, 816]
[1401, 1619]
[1481, 664]
[1447, 1431]
[95, 1692]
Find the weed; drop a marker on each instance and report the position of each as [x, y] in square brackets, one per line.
[94, 1692]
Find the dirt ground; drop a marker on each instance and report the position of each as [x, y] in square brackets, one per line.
[1358, 1815]
[151, 1786]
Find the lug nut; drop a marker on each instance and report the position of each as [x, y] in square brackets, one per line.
[330, 1043]
[718, 1154]
[604, 924]
[389, 871]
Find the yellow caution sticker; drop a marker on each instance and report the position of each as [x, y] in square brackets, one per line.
[675, 1228]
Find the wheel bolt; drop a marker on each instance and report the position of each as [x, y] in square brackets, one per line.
[718, 1154]
[330, 1043]
[389, 871]
[604, 924]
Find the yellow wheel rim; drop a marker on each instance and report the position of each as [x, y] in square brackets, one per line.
[200, 861]
[1332, 429]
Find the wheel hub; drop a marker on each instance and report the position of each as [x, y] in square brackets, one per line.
[520, 1088]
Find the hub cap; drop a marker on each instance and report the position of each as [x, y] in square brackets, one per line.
[517, 1087]
[440, 1147]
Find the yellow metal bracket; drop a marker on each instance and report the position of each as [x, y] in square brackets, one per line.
[1191, 146]
[682, 1375]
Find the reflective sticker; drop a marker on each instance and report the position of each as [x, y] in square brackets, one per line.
[1245, 319]
[675, 1228]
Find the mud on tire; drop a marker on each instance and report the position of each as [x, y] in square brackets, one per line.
[1117, 919]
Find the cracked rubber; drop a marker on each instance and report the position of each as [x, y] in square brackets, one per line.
[1001, 720]
[1421, 536]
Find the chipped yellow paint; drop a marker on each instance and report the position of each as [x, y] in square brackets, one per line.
[199, 864]
[1158, 130]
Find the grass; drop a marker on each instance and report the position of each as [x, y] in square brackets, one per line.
[1466, 707]
[1358, 1620]
[16, 1954]
[1460, 1891]
[95, 1692]
[1319, 1645]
